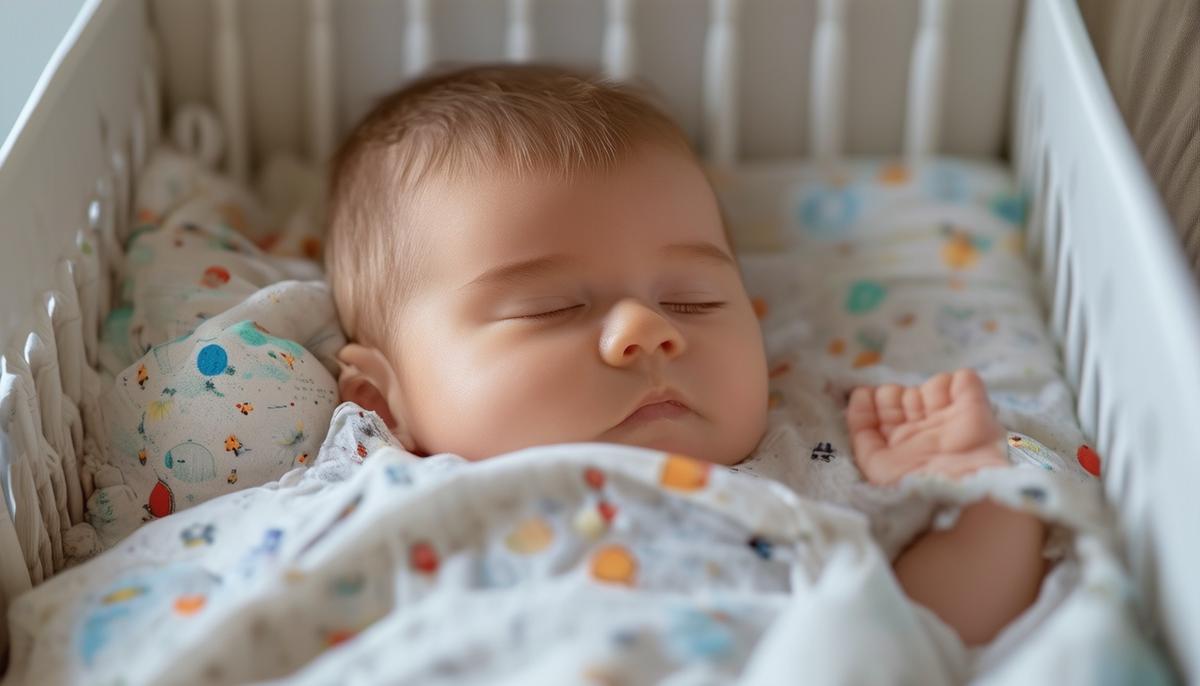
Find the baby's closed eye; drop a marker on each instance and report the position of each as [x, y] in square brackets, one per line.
[678, 307]
[552, 313]
[693, 308]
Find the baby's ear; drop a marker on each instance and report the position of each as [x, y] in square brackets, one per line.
[367, 380]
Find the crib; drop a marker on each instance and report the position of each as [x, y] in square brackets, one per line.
[996, 79]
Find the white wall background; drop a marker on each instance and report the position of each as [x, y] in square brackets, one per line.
[30, 30]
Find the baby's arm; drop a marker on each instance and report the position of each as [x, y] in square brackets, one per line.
[980, 574]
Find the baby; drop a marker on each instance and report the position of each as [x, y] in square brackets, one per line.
[523, 255]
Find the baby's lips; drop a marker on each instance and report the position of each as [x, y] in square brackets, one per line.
[662, 402]
[667, 409]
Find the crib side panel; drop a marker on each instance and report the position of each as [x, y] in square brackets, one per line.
[1124, 308]
[66, 176]
[669, 37]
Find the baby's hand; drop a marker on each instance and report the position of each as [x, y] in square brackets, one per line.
[943, 427]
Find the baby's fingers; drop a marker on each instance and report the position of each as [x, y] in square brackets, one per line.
[914, 408]
[860, 413]
[863, 422]
[965, 383]
[889, 408]
[935, 393]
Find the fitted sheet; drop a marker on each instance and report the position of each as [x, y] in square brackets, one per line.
[871, 272]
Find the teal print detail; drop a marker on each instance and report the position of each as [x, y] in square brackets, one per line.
[190, 462]
[250, 334]
[140, 254]
[349, 585]
[254, 335]
[865, 296]
[1010, 207]
[116, 331]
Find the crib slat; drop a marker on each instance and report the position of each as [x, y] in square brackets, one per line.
[1075, 335]
[147, 116]
[827, 82]
[1088, 403]
[721, 83]
[1039, 211]
[620, 51]
[1028, 123]
[922, 124]
[418, 38]
[320, 53]
[137, 144]
[122, 182]
[150, 107]
[519, 42]
[103, 229]
[1049, 231]
[152, 96]
[230, 95]
[1063, 280]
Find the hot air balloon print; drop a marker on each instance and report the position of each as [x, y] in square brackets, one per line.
[161, 502]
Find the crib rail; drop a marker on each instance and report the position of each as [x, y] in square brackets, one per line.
[721, 78]
[66, 183]
[1128, 344]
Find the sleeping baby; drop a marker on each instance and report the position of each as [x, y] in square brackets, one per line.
[522, 255]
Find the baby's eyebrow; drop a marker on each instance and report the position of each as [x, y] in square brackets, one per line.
[702, 249]
[529, 270]
[521, 270]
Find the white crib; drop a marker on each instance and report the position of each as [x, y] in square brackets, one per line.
[989, 78]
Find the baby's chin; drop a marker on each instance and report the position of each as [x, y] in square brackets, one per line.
[689, 447]
[729, 440]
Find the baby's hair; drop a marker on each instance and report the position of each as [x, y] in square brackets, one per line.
[527, 120]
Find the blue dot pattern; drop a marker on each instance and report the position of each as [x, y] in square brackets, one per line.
[212, 360]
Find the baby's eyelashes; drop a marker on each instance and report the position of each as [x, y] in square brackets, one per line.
[679, 308]
[552, 313]
[694, 308]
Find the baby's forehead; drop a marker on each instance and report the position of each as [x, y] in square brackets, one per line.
[474, 220]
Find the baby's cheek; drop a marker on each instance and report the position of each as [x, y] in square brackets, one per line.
[507, 403]
[745, 384]
[447, 403]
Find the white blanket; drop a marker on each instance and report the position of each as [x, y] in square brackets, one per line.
[580, 563]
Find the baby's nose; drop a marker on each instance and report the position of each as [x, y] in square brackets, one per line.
[633, 330]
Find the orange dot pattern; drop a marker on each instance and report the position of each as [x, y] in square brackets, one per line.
[682, 473]
[615, 565]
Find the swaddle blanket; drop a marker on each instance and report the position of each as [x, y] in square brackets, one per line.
[222, 368]
[576, 563]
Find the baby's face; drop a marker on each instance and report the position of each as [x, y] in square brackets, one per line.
[550, 312]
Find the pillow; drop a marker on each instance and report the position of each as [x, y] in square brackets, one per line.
[220, 354]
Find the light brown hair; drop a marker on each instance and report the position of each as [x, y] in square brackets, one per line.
[528, 120]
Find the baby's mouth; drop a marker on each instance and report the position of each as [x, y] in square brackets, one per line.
[655, 407]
